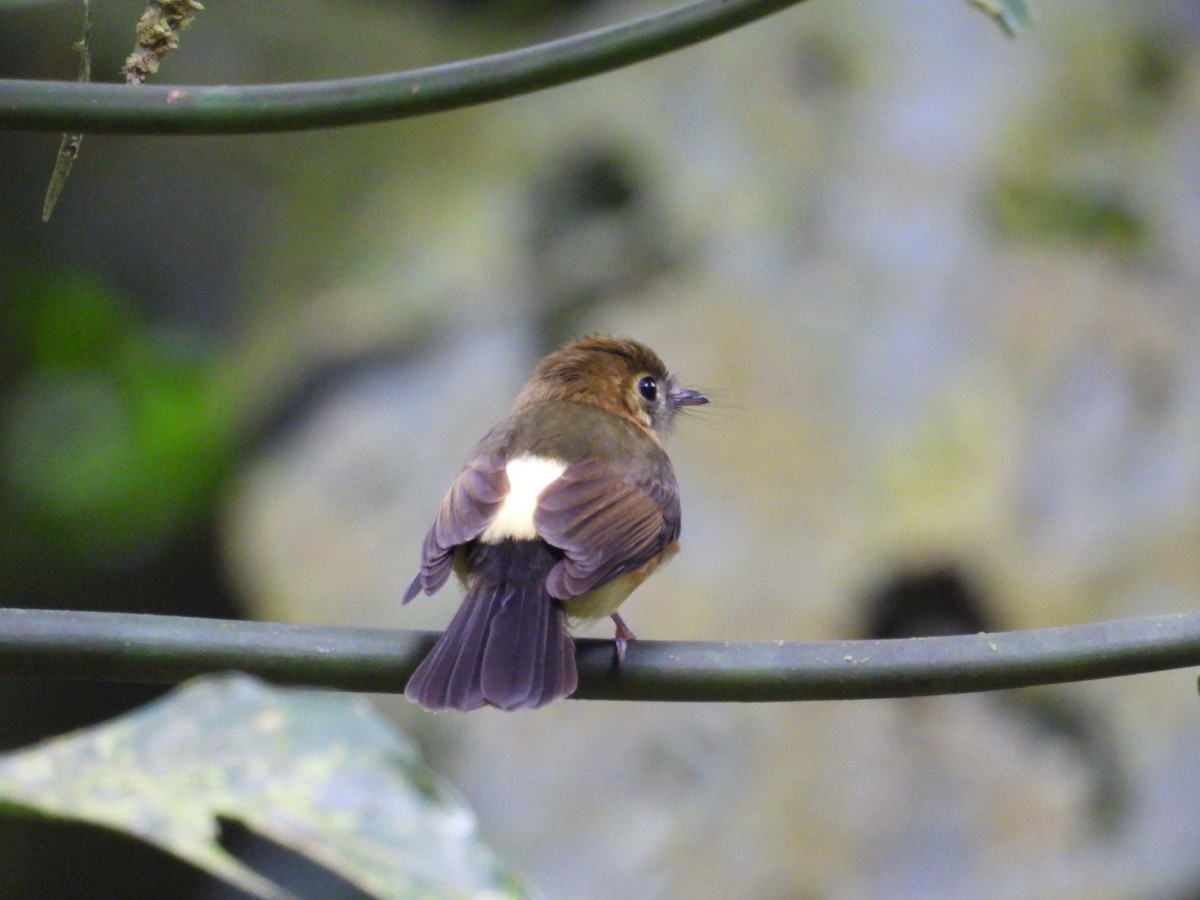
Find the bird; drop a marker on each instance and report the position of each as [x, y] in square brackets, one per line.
[558, 514]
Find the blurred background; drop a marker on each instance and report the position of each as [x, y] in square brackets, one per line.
[941, 286]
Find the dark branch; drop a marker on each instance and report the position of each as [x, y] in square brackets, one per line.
[168, 649]
[157, 109]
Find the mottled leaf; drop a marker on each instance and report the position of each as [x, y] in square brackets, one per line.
[318, 772]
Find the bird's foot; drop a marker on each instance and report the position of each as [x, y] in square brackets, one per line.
[621, 641]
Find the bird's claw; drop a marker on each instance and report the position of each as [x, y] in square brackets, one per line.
[621, 641]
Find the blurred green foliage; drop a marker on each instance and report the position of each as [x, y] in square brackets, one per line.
[1048, 210]
[112, 433]
[1082, 166]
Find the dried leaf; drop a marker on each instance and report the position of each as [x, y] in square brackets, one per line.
[69, 148]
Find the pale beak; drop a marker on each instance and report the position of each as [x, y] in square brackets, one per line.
[678, 396]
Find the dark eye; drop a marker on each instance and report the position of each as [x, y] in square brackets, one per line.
[648, 388]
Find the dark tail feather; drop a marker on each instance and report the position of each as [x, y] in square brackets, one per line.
[523, 660]
[448, 678]
[507, 646]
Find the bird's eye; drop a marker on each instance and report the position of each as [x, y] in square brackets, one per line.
[648, 388]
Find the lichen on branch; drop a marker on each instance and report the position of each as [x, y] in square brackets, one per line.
[157, 35]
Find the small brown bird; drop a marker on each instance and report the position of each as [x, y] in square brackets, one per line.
[560, 511]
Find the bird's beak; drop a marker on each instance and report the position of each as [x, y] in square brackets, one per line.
[678, 396]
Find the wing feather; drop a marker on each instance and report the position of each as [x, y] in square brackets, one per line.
[470, 504]
[607, 520]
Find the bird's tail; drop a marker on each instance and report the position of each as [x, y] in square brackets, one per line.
[507, 646]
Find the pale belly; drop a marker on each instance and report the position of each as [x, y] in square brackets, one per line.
[604, 600]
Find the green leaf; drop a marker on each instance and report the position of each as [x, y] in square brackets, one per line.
[318, 772]
[1010, 15]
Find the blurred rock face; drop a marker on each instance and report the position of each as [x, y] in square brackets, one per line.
[941, 288]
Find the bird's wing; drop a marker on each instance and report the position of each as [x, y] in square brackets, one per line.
[607, 520]
[473, 499]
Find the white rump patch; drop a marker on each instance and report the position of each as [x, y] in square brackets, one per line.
[528, 476]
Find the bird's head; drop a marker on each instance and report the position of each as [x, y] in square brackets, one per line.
[620, 375]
